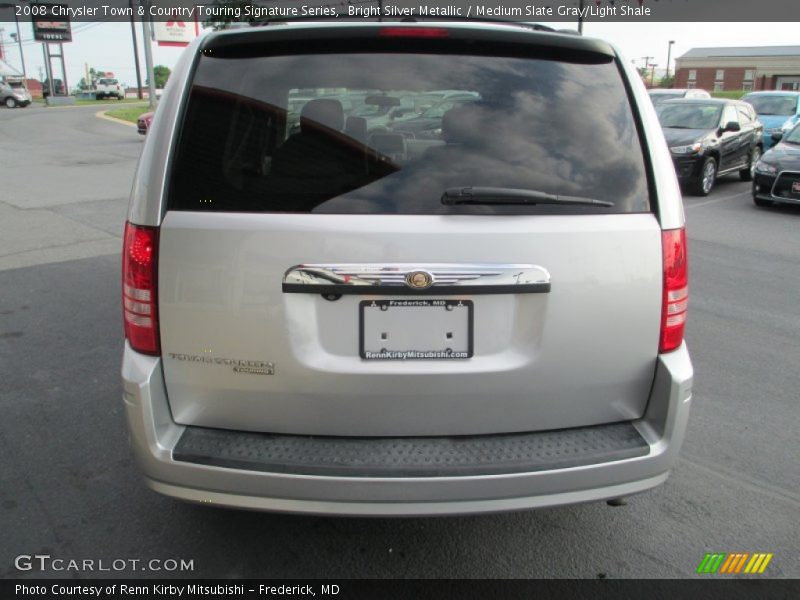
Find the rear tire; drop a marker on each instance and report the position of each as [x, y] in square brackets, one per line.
[10, 102]
[703, 185]
[749, 172]
[98, 96]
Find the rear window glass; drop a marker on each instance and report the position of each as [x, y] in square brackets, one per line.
[389, 133]
[689, 116]
[773, 105]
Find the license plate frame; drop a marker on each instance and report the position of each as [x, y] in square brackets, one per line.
[462, 309]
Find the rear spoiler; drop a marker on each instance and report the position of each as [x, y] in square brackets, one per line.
[315, 37]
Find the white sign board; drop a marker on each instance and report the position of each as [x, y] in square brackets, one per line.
[175, 33]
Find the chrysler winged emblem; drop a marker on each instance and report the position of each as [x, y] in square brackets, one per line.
[419, 280]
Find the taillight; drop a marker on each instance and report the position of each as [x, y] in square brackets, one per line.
[676, 289]
[139, 290]
[414, 32]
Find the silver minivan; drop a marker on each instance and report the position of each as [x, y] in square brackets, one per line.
[13, 95]
[484, 316]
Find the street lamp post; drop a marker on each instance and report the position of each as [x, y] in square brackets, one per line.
[669, 56]
[646, 60]
[136, 54]
[148, 57]
[19, 42]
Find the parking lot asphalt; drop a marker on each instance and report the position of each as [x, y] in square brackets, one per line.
[69, 488]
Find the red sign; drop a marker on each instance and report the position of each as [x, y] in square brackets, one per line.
[175, 33]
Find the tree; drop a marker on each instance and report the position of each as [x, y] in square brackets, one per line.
[160, 74]
[667, 82]
[94, 75]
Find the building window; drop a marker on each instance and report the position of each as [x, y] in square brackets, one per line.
[720, 75]
[749, 75]
[718, 85]
[747, 86]
[692, 74]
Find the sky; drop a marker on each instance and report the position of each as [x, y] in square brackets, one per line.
[108, 46]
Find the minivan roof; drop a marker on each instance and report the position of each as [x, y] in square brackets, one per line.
[702, 101]
[502, 32]
[773, 93]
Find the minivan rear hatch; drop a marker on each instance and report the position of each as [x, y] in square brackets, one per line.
[494, 269]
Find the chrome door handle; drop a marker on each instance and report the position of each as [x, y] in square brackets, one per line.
[416, 278]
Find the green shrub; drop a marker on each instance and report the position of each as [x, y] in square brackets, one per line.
[731, 95]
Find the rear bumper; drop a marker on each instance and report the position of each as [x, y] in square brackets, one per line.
[155, 436]
[688, 167]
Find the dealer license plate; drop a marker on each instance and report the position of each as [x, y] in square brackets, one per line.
[416, 329]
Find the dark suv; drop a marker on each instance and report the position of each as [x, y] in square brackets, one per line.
[709, 138]
[58, 87]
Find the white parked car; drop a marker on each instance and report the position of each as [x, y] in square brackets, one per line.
[659, 95]
[109, 88]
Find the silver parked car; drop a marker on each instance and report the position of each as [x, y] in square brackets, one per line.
[330, 321]
[12, 96]
[659, 95]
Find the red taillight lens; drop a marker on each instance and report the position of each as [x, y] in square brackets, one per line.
[139, 290]
[676, 289]
[414, 32]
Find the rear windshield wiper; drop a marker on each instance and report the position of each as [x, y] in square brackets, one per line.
[499, 195]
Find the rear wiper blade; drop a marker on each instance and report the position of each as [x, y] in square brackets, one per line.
[499, 195]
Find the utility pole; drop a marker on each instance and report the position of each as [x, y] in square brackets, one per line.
[136, 54]
[669, 56]
[21, 54]
[148, 57]
[18, 39]
[646, 60]
[653, 75]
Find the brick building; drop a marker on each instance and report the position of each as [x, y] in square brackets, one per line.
[739, 68]
[34, 87]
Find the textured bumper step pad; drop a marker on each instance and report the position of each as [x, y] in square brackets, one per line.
[410, 457]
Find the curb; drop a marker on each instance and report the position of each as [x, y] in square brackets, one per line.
[101, 114]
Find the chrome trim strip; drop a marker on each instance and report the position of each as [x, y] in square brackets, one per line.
[777, 178]
[392, 279]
